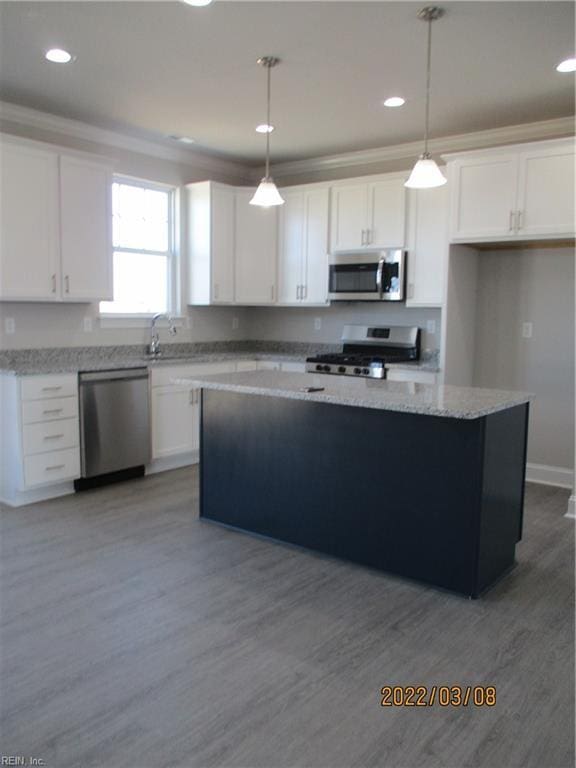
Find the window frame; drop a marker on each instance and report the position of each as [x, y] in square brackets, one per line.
[174, 309]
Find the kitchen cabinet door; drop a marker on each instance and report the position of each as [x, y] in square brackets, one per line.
[483, 201]
[29, 235]
[349, 217]
[86, 230]
[315, 254]
[255, 251]
[175, 421]
[222, 244]
[386, 214]
[427, 246]
[290, 247]
[546, 192]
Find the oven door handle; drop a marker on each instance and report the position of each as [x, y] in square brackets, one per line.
[379, 274]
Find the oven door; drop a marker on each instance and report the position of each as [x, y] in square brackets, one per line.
[367, 277]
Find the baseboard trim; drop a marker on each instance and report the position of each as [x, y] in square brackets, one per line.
[21, 498]
[562, 477]
[172, 462]
[571, 511]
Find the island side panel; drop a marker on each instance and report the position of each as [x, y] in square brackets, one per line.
[397, 491]
[505, 438]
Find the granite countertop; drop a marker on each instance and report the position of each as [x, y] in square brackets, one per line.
[29, 362]
[407, 397]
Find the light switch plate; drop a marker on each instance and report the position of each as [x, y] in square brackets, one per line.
[527, 330]
[9, 325]
[317, 323]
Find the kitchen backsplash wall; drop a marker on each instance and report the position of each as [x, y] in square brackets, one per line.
[46, 325]
[299, 324]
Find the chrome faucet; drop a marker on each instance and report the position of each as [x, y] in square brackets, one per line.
[154, 346]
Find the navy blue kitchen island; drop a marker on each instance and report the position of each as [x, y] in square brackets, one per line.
[421, 481]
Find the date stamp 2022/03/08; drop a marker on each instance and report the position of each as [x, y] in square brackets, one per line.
[438, 695]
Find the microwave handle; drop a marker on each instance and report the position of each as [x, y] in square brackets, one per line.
[379, 275]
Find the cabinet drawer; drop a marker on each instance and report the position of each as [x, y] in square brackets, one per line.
[49, 410]
[50, 436]
[162, 377]
[43, 387]
[46, 468]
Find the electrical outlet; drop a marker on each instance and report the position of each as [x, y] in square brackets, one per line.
[527, 330]
[431, 326]
[9, 325]
[235, 323]
[87, 325]
[317, 323]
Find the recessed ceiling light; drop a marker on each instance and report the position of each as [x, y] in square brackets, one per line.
[183, 139]
[394, 101]
[58, 56]
[568, 65]
[197, 3]
[264, 128]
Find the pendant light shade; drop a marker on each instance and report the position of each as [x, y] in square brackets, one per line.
[426, 173]
[267, 193]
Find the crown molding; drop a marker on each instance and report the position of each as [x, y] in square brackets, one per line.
[546, 129]
[33, 118]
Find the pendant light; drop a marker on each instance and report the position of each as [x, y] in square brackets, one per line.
[426, 173]
[267, 193]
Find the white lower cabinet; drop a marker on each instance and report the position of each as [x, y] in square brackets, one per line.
[175, 412]
[40, 430]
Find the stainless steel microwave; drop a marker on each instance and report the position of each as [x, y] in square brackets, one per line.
[376, 276]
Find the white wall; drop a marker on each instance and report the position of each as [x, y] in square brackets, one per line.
[531, 285]
[297, 324]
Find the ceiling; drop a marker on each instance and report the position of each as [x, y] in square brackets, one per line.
[161, 68]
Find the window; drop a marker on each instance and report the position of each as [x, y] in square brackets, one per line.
[144, 258]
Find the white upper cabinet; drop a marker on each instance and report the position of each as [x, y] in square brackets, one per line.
[546, 191]
[368, 214]
[515, 193]
[303, 246]
[256, 231]
[210, 243]
[56, 239]
[86, 224]
[29, 235]
[427, 246]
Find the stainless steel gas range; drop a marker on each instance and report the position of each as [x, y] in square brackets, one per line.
[367, 349]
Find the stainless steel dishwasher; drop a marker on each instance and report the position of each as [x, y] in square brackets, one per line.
[114, 425]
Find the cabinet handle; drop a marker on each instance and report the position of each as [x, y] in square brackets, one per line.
[53, 283]
[191, 397]
[216, 291]
[368, 236]
[56, 466]
[363, 237]
[51, 389]
[304, 291]
[52, 410]
[271, 293]
[511, 222]
[297, 292]
[53, 437]
[519, 219]
[67, 283]
[410, 290]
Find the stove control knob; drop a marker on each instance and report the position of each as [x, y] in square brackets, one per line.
[357, 371]
[327, 368]
[366, 371]
[342, 369]
[319, 367]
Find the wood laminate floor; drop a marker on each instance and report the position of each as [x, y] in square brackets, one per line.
[136, 636]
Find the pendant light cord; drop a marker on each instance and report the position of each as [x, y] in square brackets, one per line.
[267, 174]
[428, 68]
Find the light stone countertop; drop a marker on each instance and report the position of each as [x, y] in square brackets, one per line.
[406, 397]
